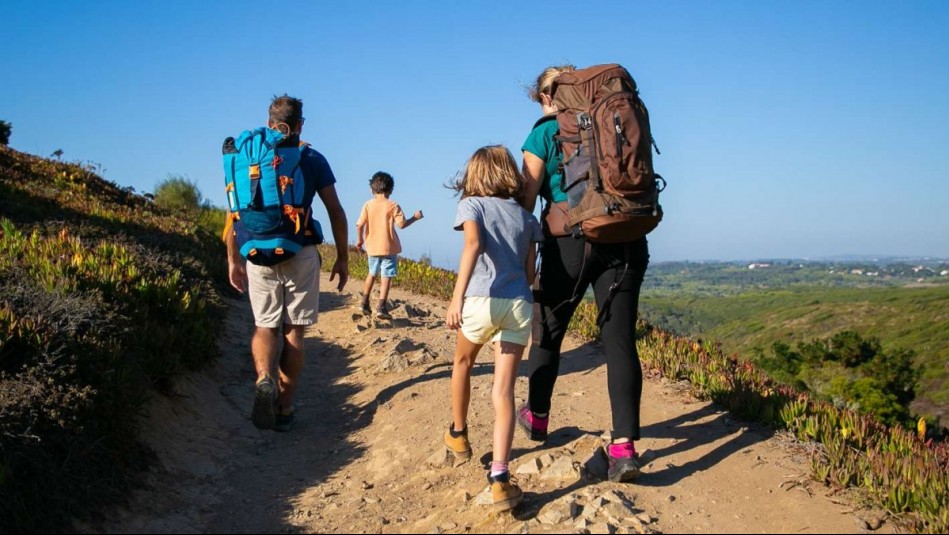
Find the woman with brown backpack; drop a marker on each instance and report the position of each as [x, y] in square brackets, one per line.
[570, 264]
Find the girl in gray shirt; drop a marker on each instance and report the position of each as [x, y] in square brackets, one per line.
[492, 302]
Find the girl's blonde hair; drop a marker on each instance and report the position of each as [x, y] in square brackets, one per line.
[546, 81]
[491, 172]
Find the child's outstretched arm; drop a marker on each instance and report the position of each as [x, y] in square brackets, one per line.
[469, 256]
[403, 222]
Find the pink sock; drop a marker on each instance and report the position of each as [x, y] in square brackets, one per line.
[622, 451]
[498, 467]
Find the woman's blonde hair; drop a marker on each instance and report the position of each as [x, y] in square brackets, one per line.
[491, 172]
[546, 81]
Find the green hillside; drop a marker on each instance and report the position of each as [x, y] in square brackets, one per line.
[915, 318]
[104, 300]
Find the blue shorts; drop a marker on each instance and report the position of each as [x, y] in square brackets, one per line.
[389, 265]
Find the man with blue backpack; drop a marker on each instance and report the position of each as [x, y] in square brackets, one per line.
[271, 235]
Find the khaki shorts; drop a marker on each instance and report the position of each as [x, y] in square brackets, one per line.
[492, 319]
[288, 292]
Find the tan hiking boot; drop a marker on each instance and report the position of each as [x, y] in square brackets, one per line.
[505, 494]
[458, 446]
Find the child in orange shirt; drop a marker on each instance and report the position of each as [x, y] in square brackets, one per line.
[376, 224]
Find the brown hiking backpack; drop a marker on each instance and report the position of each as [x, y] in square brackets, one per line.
[612, 190]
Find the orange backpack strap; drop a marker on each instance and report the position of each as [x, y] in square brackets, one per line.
[228, 227]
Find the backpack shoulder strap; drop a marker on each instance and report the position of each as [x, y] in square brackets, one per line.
[544, 119]
[582, 280]
[270, 136]
[614, 289]
[303, 146]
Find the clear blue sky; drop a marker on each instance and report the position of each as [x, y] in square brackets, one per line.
[787, 129]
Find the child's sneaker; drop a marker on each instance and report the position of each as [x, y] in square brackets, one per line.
[623, 462]
[382, 312]
[366, 311]
[505, 494]
[265, 395]
[534, 427]
[456, 443]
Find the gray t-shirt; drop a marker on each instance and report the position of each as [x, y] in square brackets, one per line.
[507, 230]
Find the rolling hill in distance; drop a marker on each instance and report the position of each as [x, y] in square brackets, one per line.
[747, 306]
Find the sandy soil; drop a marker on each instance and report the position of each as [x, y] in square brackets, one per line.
[365, 455]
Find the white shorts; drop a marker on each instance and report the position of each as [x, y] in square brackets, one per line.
[486, 319]
[288, 292]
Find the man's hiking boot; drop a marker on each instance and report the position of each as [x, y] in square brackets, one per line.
[265, 395]
[623, 462]
[505, 494]
[456, 443]
[535, 428]
[283, 422]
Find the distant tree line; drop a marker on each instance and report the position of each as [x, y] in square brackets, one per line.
[728, 278]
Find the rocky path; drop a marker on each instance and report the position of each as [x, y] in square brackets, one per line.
[365, 456]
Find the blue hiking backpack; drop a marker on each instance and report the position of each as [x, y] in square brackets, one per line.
[268, 197]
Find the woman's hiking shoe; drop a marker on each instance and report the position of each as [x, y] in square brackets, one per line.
[534, 427]
[505, 494]
[623, 462]
[265, 395]
[283, 422]
[456, 443]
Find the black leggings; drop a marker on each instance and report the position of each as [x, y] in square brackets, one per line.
[561, 267]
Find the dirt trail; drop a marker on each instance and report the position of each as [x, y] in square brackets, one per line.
[360, 458]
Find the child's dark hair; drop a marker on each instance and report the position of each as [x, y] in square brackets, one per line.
[382, 182]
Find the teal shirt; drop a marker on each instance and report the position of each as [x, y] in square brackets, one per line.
[540, 143]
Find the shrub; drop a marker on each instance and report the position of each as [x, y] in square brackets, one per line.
[179, 194]
[851, 370]
[5, 130]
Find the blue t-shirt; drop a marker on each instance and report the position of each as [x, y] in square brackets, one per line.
[540, 142]
[507, 231]
[318, 175]
[315, 168]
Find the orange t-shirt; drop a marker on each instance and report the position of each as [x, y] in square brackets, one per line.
[381, 215]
